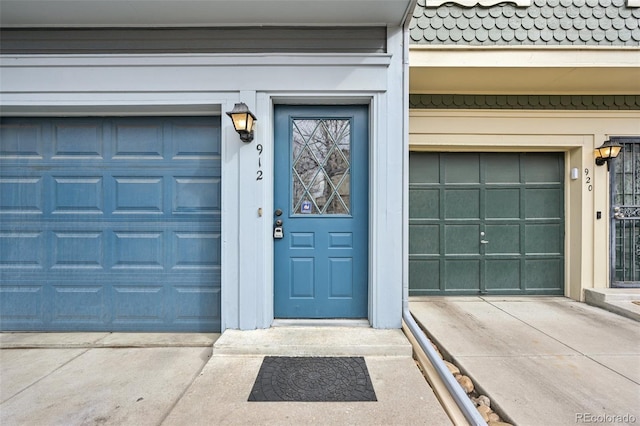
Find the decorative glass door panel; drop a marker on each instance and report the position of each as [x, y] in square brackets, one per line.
[321, 201]
[321, 166]
[625, 215]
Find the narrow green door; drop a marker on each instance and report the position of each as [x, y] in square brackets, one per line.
[486, 223]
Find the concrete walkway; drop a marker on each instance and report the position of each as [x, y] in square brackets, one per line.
[96, 378]
[140, 379]
[541, 360]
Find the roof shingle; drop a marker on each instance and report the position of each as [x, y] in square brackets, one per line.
[545, 22]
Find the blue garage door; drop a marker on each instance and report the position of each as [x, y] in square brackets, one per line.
[110, 224]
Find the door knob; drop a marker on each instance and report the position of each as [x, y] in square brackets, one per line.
[617, 213]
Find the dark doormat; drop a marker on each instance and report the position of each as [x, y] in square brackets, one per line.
[307, 379]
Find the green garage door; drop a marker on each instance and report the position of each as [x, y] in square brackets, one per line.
[486, 223]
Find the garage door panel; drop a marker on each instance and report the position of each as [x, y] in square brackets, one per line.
[78, 139]
[461, 239]
[424, 203]
[78, 250]
[194, 304]
[425, 168]
[500, 218]
[462, 274]
[502, 274]
[503, 239]
[544, 203]
[544, 238]
[80, 302]
[424, 239]
[502, 169]
[502, 203]
[22, 140]
[543, 167]
[196, 250]
[196, 194]
[138, 250]
[22, 249]
[419, 270]
[79, 195]
[139, 303]
[461, 168]
[21, 195]
[541, 274]
[138, 195]
[21, 302]
[188, 142]
[101, 219]
[462, 203]
[138, 140]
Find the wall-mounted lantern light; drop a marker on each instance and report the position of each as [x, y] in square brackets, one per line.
[243, 121]
[608, 151]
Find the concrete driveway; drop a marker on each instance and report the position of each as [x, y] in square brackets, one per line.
[96, 378]
[137, 379]
[541, 360]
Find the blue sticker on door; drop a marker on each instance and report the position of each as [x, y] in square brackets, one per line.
[321, 188]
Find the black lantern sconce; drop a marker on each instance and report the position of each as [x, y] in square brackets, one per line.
[608, 151]
[243, 121]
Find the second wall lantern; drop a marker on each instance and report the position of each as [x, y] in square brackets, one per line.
[243, 121]
[607, 152]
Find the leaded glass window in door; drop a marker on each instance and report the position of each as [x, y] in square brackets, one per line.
[321, 166]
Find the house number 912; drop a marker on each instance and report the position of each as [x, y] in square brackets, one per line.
[259, 174]
[587, 180]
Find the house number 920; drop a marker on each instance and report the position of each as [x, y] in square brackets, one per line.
[259, 174]
[587, 180]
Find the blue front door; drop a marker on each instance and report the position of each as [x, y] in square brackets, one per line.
[321, 197]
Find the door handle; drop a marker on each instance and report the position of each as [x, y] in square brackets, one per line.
[482, 240]
[617, 214]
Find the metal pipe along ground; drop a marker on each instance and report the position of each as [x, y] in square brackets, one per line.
[461, 399]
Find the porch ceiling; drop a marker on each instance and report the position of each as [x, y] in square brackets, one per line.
[180, 13]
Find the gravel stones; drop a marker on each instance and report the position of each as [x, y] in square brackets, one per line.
[466, 383]
[481, 402]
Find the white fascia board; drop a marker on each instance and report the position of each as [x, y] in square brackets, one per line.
[176, 13]
[518, 57]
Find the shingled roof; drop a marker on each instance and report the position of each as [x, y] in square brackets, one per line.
[545, 22]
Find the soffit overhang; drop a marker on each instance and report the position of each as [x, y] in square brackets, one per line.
[524, 71]
[187, 13]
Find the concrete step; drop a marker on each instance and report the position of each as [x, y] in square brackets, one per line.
[313, 341]
[105, 340]
[622, 301]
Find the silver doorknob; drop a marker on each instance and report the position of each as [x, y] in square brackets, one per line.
[617, 213]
